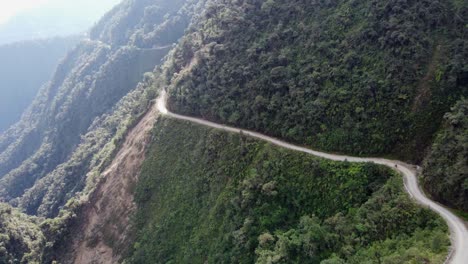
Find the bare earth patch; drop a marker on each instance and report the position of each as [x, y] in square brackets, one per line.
[105, 226]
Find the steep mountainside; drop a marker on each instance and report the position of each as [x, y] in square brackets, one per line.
[20, 237]
[103, 224]
[24, 68]
[42, 154]
[206, 196]
[52, 162]
[361, 77]
[446, 167]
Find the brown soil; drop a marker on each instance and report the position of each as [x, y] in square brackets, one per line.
[104, 224]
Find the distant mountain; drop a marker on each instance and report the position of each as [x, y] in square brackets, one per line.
[24, 68]
[56, 18]
[87, 85]
[77, 122]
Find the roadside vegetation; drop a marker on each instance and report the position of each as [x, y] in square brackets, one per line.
[206, 196]
[360, 77]
[372, 77]
[364, 78]
[445, 170]
[21, 238]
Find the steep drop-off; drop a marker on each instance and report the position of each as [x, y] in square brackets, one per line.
[207, 196]
[44, 147]
[55, 162]
[357, 77]
[104, 224]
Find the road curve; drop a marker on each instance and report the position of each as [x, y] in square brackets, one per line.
[458, 231]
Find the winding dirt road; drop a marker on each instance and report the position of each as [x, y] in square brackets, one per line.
[458, 231]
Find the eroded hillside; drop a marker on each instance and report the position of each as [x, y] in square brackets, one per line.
[43, 159]
[104, 223]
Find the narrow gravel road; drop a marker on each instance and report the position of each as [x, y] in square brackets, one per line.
[458, 231]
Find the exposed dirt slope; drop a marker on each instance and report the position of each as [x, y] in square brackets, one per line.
[105, 221]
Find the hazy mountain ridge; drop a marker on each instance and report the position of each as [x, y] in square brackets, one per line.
[24, 68]
[55, 155]
[88, 83]
[53, 18]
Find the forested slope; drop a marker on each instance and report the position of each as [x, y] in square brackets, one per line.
[360, 77]
[44, 159]
[52, 161]
[207, 196]
[24, 68]
[21, 239]
[445, 169]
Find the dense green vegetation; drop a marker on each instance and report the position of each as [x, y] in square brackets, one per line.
[24, 68]
[361, 77]
[66, 109]
[21, 239]
[207, 196]
[77, 120]
[52, 160]
[445, 170]
[91, 156]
